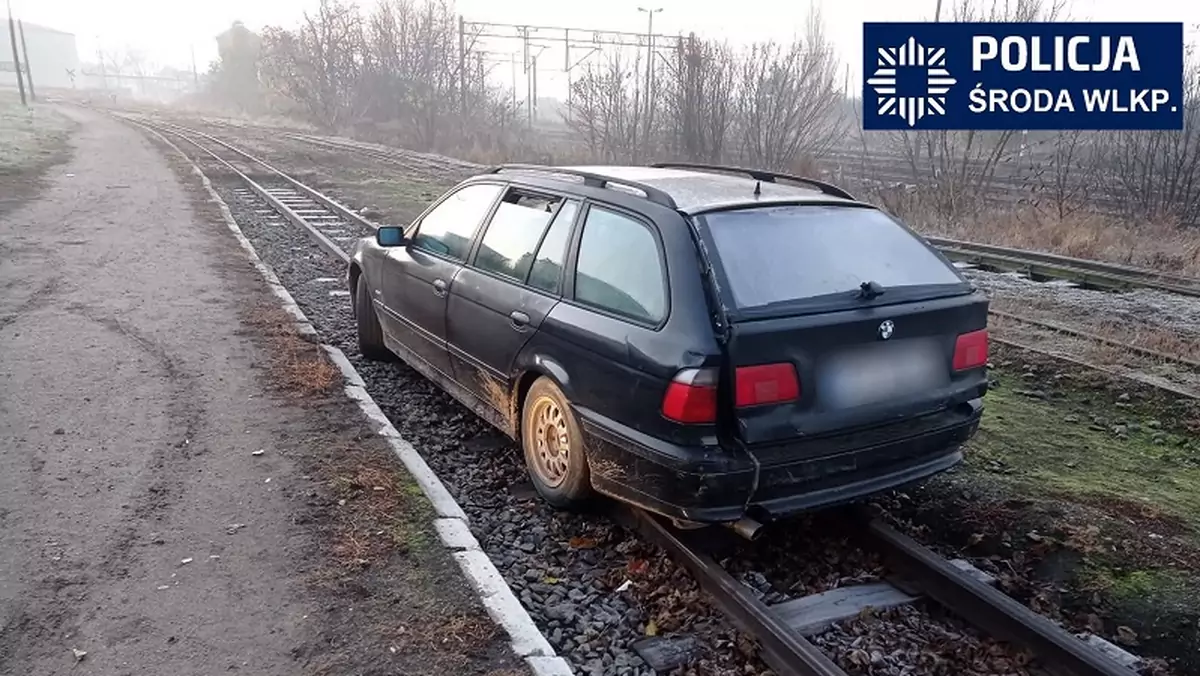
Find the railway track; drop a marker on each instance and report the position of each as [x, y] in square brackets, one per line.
[433, 166]
[1086, 273]
[782, 631]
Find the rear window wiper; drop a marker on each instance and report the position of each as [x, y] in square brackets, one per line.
[870, 290]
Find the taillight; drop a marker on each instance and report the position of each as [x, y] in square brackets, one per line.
[692, 397]
[971, 350]
[766, 384]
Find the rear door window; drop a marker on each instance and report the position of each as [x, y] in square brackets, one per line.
[546, 273]
[619, 269]
[448, 229]
[513, 234]
[796, 252]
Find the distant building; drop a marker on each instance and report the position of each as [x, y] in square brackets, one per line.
[53, 58]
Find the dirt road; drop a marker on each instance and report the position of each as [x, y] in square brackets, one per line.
[138, 523]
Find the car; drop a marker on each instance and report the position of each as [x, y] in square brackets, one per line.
[711, 344]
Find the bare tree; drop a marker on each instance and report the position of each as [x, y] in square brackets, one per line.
[1156, 174]
[607, 110]
[789, 106]
[698, 111]
[396, 74]
[317, 65]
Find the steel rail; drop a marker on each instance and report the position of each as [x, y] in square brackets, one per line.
[1087, 272]
[1066, 330]
[783, 649]
[987, 608]
[287, 212]
[323, 199]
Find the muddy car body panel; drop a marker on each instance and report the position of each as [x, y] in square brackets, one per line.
[730, 346]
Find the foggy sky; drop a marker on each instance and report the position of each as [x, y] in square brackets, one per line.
[167, 30]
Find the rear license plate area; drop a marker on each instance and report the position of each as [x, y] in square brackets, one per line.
[870, 374]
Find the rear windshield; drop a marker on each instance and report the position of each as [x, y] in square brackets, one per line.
[790, 253]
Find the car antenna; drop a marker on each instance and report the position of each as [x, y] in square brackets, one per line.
[870, 290]
[757, 188]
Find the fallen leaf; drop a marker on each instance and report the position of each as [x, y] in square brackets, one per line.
[637, 566]
[1095, 624]
[79, 654]
[551, 580]
[625, 586]
[651, 628]
[581, 542]
[975, 538]
[1126, 635]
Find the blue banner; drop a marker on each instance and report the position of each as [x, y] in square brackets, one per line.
[991, 76]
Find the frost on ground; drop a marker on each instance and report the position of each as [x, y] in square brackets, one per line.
[31, 139]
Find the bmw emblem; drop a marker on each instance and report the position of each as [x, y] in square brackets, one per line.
[886, 329]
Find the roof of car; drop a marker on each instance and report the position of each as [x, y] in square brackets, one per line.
[694, 191]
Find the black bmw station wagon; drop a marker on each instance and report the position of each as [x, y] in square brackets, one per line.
[709, 343]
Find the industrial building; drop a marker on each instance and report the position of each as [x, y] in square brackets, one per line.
[53, 58]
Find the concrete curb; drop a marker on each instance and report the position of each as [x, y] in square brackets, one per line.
[502, 605]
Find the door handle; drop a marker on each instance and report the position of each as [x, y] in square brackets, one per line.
[519, 319]
[439, 287]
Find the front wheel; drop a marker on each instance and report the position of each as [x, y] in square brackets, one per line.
[370, 333]
[553, 444]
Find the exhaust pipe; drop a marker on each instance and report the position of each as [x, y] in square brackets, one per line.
[746, 527]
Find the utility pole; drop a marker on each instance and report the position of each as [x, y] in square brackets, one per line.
[937, 13]
[12, 34]
[195, 74]
[649, 74]
[25, 53]
[532, 90]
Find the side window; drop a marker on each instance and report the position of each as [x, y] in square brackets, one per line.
[447, 230]
[618, 267]
[546, 273]
[514, 232]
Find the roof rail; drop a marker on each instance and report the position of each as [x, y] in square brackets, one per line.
[592, 179]
[760, 175]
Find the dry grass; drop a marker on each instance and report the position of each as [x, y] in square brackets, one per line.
[386, 518]
[1162, 339]
[1159, 245]
[297, 367]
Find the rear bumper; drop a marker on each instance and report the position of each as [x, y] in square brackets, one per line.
[712, 484]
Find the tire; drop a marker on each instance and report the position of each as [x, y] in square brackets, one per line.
[370, 333]
[563, 482]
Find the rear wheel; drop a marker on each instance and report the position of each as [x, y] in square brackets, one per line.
[553, 445]
[370, 333]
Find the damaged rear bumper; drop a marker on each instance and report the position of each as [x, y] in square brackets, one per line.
[714, 484]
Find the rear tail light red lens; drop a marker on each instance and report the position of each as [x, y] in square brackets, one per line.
[692, 397]
[971, 350]
[766, 384]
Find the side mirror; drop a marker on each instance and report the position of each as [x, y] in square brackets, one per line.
[390, 235]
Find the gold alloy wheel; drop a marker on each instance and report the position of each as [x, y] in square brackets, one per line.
[552, 443]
